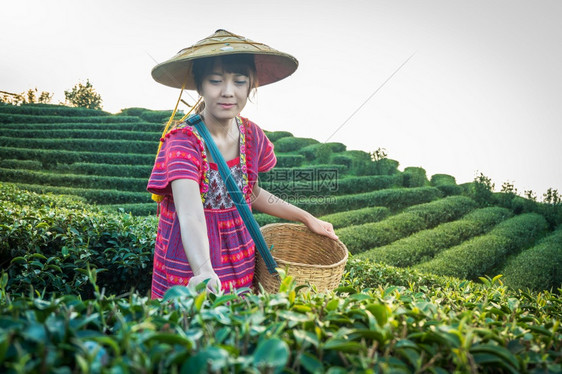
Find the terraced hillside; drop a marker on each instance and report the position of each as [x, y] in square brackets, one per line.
[401, 218]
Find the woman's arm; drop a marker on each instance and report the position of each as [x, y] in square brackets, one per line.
[266, 202]
[193, 229]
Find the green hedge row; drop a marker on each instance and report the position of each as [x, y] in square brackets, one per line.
[134, 111]
[443, 180]
[83, 145]
[107, 170]
[50, 157]
[382, 167]
[127, 126]
[414, 177]
[394, 199]
[450, 189]
[424, 245]
[83, 168]
[289, 161]
[24, 118]
[92, 196]
[11, 193]
[363, 237]
[71, 180]
[357, 216]
[319, 151]
[444, 210]
[539, 267]
[291, 144]
[318, 188]
[22, 164]
[142, 209]
[482, 255]
[276, 135]
[50, 110]
[83, 134]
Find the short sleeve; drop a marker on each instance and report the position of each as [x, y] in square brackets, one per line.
[179, 158]
[265, 151]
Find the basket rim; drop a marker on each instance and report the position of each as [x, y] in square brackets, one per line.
[339, 244]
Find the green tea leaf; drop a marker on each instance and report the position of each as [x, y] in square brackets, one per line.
[210, 359]
[380, 311]
[273, 353]
[344, 346]
[311, 363]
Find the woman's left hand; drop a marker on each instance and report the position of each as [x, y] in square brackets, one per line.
[321, 227]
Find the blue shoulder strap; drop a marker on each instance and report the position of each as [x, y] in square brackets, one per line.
[235, 193]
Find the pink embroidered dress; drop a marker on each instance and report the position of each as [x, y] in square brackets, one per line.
[232, 249]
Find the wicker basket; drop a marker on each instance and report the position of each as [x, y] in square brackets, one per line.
[308, 257]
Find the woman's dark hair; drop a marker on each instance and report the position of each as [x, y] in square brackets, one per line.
[238, 64]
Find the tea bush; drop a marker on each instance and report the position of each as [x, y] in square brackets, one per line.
[415, 177]
[49, 248]
[481, 255]
[369, 235]
[314, 152]
[395, 199]
[142, 209]
[158, 116]
[133, 111]
[450, 189]
[106, 170]
[92, 196]
[384, 166]
[11, 193]
[22, 164]
[24, 118]
[424, 245]
[327, 184]
[539, 267]
[357, 216]
[344, 160]
[443, 180]
[273, 136]
[50, 157]
[75, 181]
[127, 126]
[82, 145]
[83, 134]
[289, 160]
[50, 110]
[291, 144]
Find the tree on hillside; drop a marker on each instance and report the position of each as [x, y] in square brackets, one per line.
[31, 96]
[84, 96]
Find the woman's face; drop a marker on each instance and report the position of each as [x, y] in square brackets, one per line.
[225, 94]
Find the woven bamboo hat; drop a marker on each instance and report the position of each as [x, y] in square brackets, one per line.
[271, 65]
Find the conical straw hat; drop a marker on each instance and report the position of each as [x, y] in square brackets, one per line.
[271, 65]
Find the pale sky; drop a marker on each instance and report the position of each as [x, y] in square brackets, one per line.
[481, 93]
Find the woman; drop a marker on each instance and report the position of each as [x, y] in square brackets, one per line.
[201, 235]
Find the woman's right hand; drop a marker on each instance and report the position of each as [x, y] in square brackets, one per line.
[214, 283]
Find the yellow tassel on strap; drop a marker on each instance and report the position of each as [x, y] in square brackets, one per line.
[155, 197]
